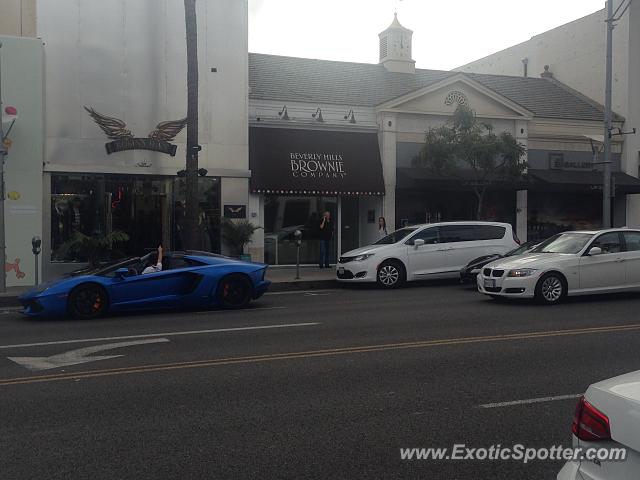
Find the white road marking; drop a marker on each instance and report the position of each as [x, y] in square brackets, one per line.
[152, 335]
[209, 312]
[78, 356]
[530, 400]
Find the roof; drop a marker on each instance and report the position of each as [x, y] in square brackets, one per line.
[273, 77]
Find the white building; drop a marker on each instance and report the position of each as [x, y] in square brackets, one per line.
[575, 54]
[127, 60]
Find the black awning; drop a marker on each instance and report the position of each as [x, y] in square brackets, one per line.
[580, 180]
[420, 178]
[314, 162]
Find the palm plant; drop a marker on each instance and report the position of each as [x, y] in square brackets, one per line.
[237, 234]
[92, 248]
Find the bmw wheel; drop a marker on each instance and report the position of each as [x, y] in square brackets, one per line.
[551, 289]
[391, 274]
[88, 301]
[234, 291]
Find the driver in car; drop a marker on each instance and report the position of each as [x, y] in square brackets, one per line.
[158, 266]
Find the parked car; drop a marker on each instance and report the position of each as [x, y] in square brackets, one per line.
[187, 280]
[437, 250]
[569, 263]
[607, 417]
[469, 272]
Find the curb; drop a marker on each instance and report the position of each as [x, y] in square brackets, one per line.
[9, 301]
[302, 285]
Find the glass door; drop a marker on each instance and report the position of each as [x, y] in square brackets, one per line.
[350, 223]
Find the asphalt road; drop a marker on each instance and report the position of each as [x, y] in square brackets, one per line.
[324, 385]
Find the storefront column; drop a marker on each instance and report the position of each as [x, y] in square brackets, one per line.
[521, 214]
[633, 211]
[337, 234]
[234, 191]
[388, 155]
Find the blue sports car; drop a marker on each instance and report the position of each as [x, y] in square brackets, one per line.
[187, 280]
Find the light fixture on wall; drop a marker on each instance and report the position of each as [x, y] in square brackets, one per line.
[350, 116]
[318, 115]
[283, 114]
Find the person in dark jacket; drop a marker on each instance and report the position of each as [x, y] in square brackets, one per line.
[326, 234]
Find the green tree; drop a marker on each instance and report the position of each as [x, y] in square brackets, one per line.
[469, 149]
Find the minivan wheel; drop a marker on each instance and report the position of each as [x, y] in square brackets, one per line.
[551, 289]
[391, 274]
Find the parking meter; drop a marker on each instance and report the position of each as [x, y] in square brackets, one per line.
[36, 248]
[298, 238]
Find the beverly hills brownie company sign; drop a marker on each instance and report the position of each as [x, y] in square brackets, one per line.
[317, 165]
[158, 140]
[315, 162]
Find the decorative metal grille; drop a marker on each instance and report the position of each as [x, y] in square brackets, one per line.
[458, 97]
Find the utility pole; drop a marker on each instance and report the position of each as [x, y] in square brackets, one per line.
[612, 17]
[3, 155]
[191, 179]
[606, 181]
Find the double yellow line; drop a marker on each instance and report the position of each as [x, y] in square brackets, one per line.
[216, 362]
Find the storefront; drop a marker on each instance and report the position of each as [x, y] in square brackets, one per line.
[148, 208]
[563, 199]
[300, 174]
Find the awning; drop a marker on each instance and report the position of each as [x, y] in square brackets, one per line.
[581, 180]
[420, 178]
[314, 162]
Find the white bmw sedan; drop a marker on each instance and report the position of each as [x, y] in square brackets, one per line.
[569, 263]
[606, 431]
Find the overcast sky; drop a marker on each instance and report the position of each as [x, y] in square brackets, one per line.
[447, 33]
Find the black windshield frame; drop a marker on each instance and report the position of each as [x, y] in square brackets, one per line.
[396, 236]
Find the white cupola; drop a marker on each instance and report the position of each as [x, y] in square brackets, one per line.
[395, 48]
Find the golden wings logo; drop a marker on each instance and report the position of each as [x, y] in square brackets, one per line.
[158, 140]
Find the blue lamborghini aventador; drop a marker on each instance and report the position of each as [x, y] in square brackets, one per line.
[188, 280]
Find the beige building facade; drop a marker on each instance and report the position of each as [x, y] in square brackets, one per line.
[575, 55]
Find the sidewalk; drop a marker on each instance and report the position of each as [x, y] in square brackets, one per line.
[10, 297]
[282, 278]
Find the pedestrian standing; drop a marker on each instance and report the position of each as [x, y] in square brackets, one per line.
[326, 234]
[382, 227]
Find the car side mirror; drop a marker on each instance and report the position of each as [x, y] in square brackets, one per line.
[418, 242]
[122, 273]
[594, 251]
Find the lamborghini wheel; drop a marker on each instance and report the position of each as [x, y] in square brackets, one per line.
[234, 291]
[88, 301]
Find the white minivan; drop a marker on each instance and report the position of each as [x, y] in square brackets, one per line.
[435, 250]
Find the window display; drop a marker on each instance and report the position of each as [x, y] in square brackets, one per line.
[149, 210]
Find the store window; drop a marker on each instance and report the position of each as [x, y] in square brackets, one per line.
[284, 215]
[150, 210]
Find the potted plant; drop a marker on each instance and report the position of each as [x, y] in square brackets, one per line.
[237, 235]
[92, 248]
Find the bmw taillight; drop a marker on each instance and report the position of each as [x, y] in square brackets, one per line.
[589, 423]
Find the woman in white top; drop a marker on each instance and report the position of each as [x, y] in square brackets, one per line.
[382, 227]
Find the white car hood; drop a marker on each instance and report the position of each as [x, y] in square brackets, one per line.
[530, 260]
[619, 399]
[363, 250]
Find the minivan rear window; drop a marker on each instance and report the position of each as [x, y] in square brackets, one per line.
[489, 232]
[470, 233]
